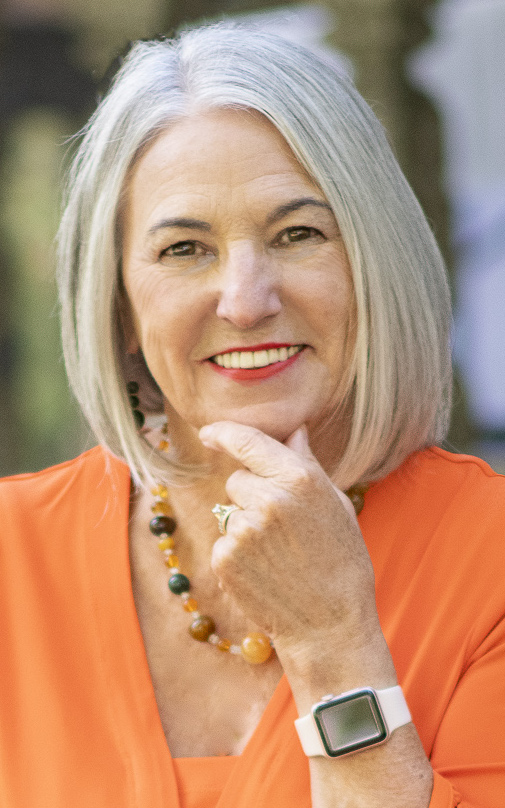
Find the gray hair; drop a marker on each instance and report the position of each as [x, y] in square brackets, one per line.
[399, 380]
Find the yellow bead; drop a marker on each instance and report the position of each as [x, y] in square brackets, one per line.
[163, 508]
[223, 645]
[166, 544]
[172, 561]
[256, 648]
[190, 605]
[160, 491]
[163, 445]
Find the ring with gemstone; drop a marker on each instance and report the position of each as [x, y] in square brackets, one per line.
[222, 514]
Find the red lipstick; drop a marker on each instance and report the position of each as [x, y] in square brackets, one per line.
[260, 373]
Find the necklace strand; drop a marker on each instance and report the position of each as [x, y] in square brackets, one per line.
[256, 647]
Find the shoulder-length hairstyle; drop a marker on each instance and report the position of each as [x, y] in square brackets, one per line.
[400, 373]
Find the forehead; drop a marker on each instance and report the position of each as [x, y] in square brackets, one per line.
[227, 148]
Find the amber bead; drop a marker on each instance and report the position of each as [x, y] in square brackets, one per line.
[163, 445]
[190, 605]
[166, 544]
[223, 645]
[356, 494]
[162, 508]
[179, 583]
[172, 561]
[256, 648]
[201, 628]
[160, 491]
[162, 524]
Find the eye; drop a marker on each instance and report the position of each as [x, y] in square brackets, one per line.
[292, 235]
[182, 249]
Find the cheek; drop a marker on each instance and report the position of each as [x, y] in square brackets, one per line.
[333, 306]
[169, 328]
[151, 307]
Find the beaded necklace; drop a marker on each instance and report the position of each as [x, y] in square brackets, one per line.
[256, 647]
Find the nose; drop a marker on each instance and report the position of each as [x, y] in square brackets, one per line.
[249, 287]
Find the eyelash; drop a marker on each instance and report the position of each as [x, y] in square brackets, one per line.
[283, 239]
[171, 251]
[308, 232]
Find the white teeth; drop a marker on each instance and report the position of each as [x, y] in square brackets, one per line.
[255, 359]
[260, 359]
[246, 359]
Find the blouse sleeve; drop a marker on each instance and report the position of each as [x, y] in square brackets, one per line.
[469, 751]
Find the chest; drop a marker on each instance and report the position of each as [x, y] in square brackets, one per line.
[209, 702]
[205, 715]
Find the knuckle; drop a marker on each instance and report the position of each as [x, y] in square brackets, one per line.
[222, 556]
[236, 480]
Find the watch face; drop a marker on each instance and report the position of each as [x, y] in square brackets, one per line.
[350, 723]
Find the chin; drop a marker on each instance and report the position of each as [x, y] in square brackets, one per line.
[278, 428]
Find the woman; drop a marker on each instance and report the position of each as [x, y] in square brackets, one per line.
[241, 254]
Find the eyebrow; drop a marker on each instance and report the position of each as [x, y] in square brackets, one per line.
[179, 221]
[296, 204]
[275, 216]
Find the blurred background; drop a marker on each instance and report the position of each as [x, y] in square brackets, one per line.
[434, 72]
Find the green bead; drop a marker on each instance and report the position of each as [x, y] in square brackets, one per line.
[132, 388]
[178, 583]
[134, 401]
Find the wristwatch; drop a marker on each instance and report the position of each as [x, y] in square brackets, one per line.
[339, 725]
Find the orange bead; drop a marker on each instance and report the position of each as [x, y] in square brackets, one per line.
[256, 648]
[163, 445]
[223, 645]
[160, 491]
[201, 628]
[166, 544]
[172, 561]
[163, 508]
[190, 605]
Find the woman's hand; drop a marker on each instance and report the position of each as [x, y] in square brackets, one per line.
[293, 557]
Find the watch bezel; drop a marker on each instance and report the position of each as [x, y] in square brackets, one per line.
[376, 712]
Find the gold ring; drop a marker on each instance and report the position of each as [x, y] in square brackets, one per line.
[222, 514]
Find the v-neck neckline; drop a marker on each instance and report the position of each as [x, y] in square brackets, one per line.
[132, 706]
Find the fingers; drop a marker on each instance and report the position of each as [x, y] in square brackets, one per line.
[346, 502]
[258, 452]
[299, 442]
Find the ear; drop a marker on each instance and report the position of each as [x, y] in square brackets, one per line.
[131, 340]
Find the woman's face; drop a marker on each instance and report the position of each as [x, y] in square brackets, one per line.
[237, 277]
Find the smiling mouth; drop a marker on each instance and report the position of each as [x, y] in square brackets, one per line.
[246, 360]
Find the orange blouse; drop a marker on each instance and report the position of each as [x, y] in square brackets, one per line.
[79, 723]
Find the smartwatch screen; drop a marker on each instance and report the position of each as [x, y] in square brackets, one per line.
[350, 723]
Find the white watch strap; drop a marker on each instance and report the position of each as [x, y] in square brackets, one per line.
[393, 706]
